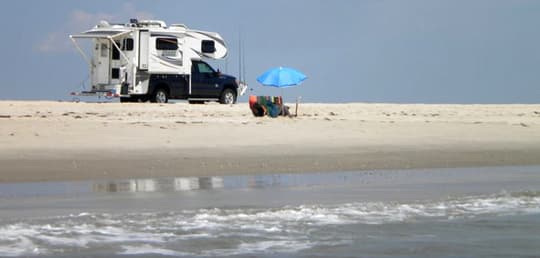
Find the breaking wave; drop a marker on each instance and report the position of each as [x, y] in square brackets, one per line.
[236, 231]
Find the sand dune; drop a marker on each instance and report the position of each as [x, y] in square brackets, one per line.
[42, 140]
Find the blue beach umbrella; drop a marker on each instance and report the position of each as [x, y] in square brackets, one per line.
[281, 77]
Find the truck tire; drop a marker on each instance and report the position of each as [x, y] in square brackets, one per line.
[228, 96]
[160, 96]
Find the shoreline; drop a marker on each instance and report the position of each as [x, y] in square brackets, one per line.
[58, 141]
[141, 165]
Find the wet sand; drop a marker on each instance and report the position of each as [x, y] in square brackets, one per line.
[51, 141]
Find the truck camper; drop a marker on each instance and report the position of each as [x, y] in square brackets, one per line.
[149, 61]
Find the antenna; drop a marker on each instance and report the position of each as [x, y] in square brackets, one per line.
[226, 65]
[240, 54]
[243, 62]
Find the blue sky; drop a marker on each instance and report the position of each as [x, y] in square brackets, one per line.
[455, 51]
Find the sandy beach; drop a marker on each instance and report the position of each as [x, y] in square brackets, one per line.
[51, 141]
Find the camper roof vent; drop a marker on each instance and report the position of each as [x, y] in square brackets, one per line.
[178, 27]
[152, 23]
[103, 24]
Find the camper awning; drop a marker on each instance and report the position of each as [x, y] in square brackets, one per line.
[100, 34]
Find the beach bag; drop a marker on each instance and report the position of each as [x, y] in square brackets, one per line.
[257, 109]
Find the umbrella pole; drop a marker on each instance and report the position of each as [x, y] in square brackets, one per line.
[282, 103]
[296, 110]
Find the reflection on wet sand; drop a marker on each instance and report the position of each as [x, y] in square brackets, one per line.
[178, 184]
[159, 185]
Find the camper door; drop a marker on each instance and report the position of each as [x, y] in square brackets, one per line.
[101, 62]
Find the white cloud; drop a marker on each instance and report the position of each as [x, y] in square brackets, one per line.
[80, 20]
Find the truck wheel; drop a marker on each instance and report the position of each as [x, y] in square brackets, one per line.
[227, 97]
[125, 99]
[160, 96]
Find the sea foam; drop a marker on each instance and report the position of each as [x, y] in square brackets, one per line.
[240, 231]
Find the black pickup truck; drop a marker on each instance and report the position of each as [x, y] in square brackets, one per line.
[207, 84]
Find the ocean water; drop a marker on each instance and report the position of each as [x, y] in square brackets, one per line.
[466, 212]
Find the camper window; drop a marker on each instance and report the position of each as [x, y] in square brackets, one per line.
[208, 46]
[127, 44]
[104, 50]
[166, 44]
[115, 73]
[115, 52]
